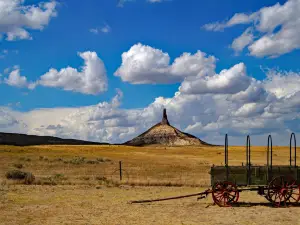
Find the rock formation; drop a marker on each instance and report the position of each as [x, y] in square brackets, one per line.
[165, 134]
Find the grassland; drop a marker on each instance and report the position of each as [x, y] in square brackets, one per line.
[79, 185]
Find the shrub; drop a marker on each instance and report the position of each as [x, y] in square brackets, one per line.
[77, 160]
[20, 175]
[101, 178]
[103, 160]
[29, 178]
[59, 176]
[25, 159]
[92, 162]
[18, 165]
[15, 175]
[43, 158]
[46, 181]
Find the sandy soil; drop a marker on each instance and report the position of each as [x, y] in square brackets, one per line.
[78, 204]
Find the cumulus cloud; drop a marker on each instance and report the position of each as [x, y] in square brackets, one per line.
[242, 41]
[17, 19]
[277, 27]
[228, 81]
[16, 80]
[207, 106]
[208, 116]
[143, 64]
[91, 79]
[282, 83]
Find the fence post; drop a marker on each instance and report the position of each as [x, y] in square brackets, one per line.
[120, 168]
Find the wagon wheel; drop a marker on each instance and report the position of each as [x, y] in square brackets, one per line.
[283, 189]
[291, 191]
[225, 193]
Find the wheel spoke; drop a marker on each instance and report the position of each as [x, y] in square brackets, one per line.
[293, 198]
[225, 193]
[281, 181]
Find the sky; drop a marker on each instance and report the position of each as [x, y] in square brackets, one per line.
[104, 70]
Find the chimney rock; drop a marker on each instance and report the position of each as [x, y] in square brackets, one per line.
[164, 120]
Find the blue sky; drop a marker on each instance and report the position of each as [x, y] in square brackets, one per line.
[174, 27]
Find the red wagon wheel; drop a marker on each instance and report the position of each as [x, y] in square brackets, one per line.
[283, 189]
[225, 193]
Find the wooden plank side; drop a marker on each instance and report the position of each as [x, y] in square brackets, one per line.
[283, 171]
[259, 175]
[236, 174]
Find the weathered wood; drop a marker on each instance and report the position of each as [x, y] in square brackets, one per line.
[259, 175]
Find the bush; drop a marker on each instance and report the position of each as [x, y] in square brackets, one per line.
[18, 165]
[29, 178]
[103, 160]
[77, 160]
[43, 158]
[15, 175]
[92, 162]
[59, 176]
[101, 178]
[25, 159]
[20, 175]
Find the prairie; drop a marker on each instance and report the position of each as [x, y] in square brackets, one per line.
[80, 185]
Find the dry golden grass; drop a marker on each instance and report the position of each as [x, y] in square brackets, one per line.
[177, 166]
[83, 196]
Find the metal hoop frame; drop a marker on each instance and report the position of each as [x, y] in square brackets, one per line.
[295, 144]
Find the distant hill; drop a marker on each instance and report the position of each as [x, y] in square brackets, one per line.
[25, 140]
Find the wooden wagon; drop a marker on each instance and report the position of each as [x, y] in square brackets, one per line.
[278, 184]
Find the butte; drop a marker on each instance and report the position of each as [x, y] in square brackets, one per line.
[164, 134]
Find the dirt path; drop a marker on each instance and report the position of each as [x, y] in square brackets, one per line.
[89, 205]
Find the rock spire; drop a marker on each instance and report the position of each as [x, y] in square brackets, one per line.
[164, 120]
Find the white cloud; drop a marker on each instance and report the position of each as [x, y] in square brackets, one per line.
[229, 81]
[91, 79]
[105, 29]
[250, 109]
[242, 41]
[214, 104]
[6, 52]
[238, 18]
[277, 27]
[143, 64]
[122, 2]
[16, 80]
[208, 116]
[282, 83]
[254, 93]
[17, 18]
[94, 30]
